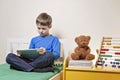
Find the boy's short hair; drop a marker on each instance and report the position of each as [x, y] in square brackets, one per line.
[44, 19]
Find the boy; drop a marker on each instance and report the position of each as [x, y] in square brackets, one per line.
[47, 45]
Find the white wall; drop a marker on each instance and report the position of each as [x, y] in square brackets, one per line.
[71, 18]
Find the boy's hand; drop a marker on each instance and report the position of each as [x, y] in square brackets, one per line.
[18, 54]
[41, 50]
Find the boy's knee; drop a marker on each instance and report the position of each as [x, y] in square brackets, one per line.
[9, 56]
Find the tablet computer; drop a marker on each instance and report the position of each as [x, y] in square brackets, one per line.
[29, 53]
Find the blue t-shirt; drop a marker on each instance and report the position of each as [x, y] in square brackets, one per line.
[50, 43]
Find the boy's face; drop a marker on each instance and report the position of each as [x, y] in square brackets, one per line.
[43, 30]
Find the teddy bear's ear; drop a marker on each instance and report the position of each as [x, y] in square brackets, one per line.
[88, 37]
[76, 39]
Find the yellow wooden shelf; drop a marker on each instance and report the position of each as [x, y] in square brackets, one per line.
[94, 70]
[88, 74]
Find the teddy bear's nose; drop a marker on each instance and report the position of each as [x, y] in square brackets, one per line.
[84, 43]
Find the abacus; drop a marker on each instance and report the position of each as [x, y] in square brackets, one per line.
[109, 54]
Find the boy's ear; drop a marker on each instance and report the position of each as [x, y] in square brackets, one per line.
[50, 26]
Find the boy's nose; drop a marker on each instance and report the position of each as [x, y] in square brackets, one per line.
[40, 30]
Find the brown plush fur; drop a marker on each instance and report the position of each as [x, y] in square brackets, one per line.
[82, 51]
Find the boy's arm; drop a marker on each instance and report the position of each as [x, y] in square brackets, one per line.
[56, 48]
[31, 46]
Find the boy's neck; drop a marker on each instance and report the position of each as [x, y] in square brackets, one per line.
[47, 35]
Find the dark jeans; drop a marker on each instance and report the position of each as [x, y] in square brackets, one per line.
[20, 63]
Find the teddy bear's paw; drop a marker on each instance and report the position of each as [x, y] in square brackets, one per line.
[90, 57]
[74, 56]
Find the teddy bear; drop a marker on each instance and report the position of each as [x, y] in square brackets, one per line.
[82, 51]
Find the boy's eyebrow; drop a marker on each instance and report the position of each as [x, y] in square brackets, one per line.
[41, 28]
